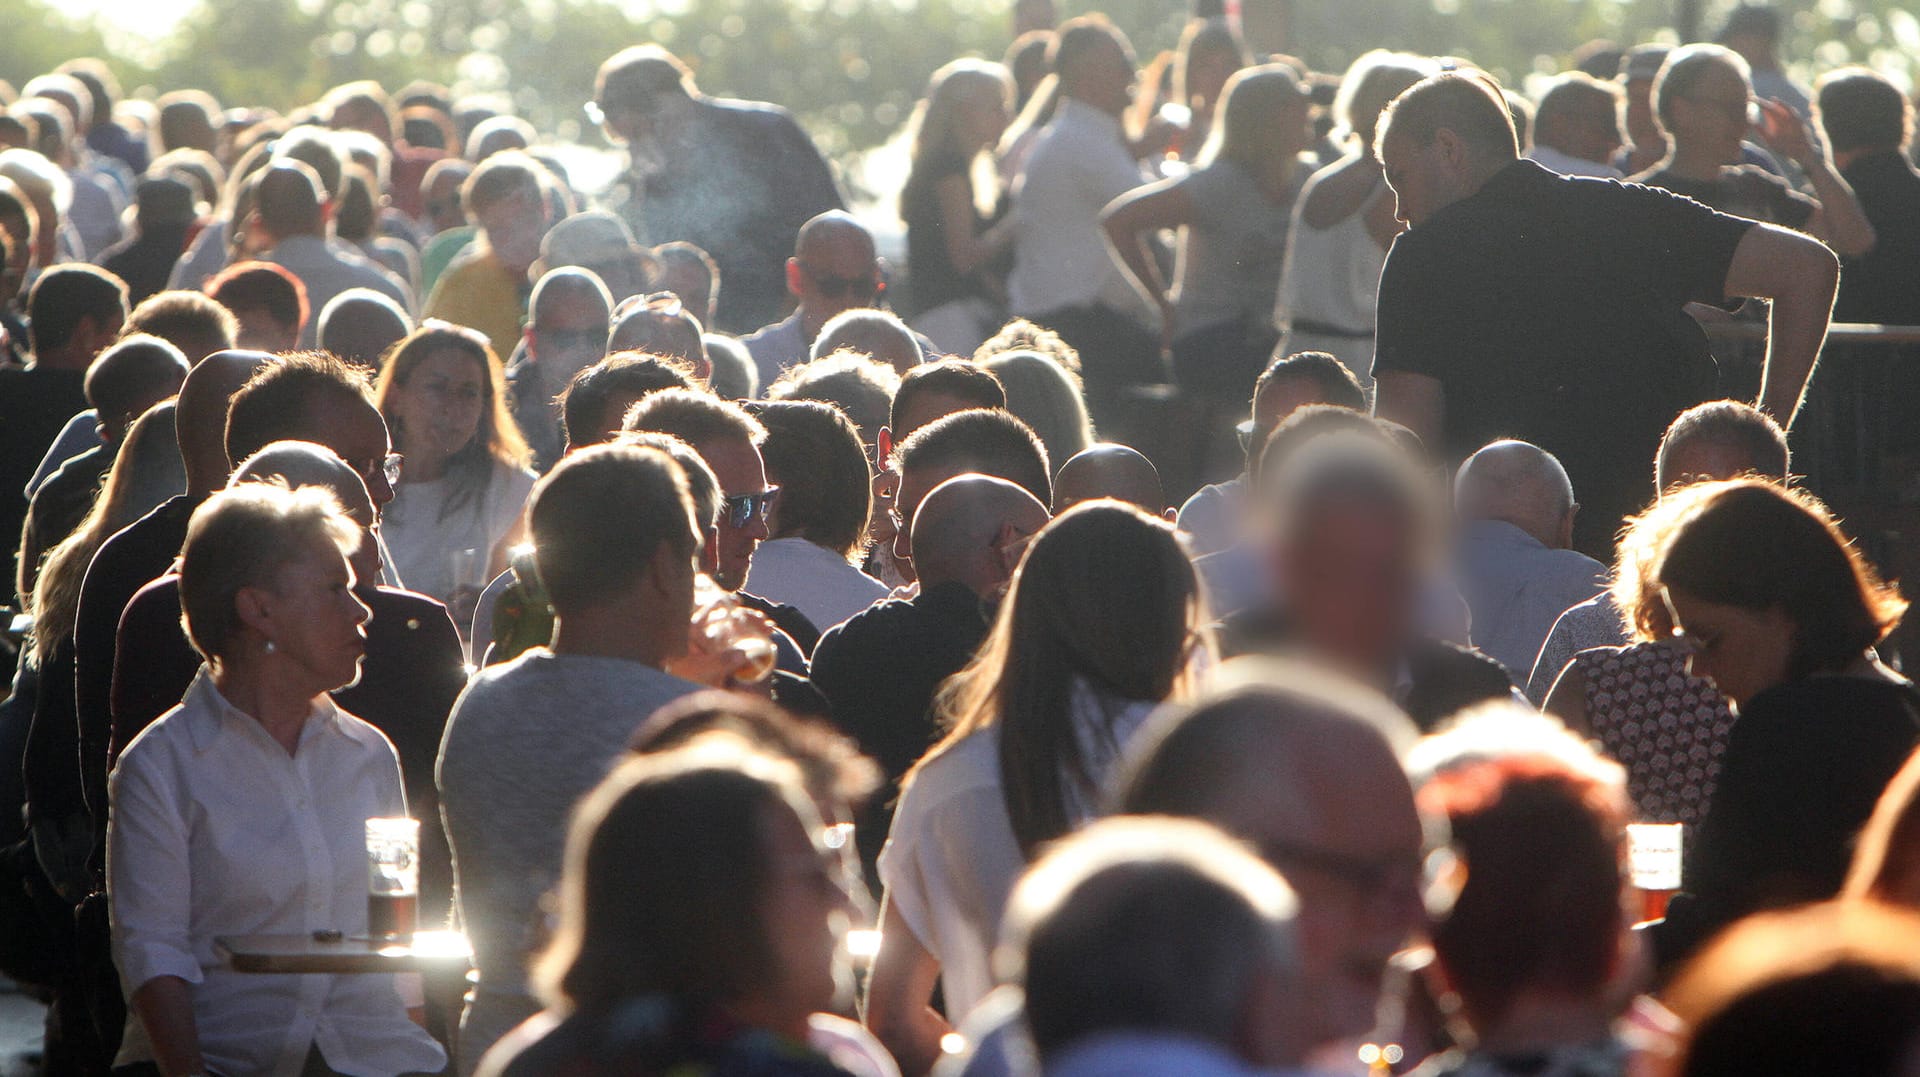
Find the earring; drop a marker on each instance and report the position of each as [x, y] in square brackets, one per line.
[270, 647]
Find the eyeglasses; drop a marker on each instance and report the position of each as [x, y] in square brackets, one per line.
[1429, 877]
[387, 466]
[866, 286]
[742, 509]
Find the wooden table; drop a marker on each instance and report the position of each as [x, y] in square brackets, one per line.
[430, 953]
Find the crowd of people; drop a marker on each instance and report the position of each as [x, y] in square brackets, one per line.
[716, 594]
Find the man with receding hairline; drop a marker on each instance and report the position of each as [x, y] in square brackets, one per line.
[1552, 308]
[834, 268]
[1512, 556]
[566, 333]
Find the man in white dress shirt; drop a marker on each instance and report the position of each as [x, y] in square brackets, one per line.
[1063, 277]
[1576, 130]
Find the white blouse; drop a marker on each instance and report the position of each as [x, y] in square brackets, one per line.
[215, 831]
[424, 534]
[951, 859]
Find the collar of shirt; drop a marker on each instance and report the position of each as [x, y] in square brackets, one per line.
[211, 714]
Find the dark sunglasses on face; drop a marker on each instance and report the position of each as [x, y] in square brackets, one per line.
[862, 287]
[570, 339]
[742, 509]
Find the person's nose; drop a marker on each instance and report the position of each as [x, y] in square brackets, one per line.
[757, 529]
[362, 613]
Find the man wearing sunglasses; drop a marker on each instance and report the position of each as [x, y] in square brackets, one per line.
[566, 333]
[728, 439]
[834, 268]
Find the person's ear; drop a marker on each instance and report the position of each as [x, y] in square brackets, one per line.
[1170, 514]
[254, 608]
[883, 447]
[1453, 150]
[796, 277]
[661, 569]
[527, 335]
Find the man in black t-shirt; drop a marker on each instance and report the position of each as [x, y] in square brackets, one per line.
[1548, 308]
[1704, 99]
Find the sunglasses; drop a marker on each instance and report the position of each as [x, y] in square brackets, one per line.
[742, 509]
[388, 466]
[860, 287]
[665, 304]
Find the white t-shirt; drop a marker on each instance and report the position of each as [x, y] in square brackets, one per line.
[951, 858]
[425, 528]
[812, 579]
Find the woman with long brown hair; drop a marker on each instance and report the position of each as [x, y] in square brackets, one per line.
[457, 507]
[1100, 627]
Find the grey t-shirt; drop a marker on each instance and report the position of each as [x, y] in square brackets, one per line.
[1230, 256]
[526, 741]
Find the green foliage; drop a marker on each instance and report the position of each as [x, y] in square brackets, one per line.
[851, 69]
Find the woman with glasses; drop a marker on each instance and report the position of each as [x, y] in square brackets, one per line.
[1098, 629]
[457, 507]
[1781, 612]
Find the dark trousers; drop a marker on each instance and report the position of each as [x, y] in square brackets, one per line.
[1116, 353]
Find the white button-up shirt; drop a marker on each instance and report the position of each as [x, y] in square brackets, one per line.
[215, 831]
[1080, 163]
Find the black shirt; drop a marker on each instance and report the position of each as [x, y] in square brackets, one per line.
[1744, 191]
[880, 670]
[35, 404]
[738, 179]
[59, 506]
[1883, 285]
[1551, 308]
[1805, 764]
[936, 281]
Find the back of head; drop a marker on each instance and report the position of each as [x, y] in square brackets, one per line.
[878, 333]
[1109, 471]
[1021, 335]
[1540, 913]
[853, 381]
[262, 286]
[190, 321]
[1517, 483]
[641, 77]
[188, 119]
[64, 297]
[1821, 989]
[1348, 468]
[1147, 926]
[132, 376]
[695, 937]
[600, 518]
[1860, 110]
[289, 199]
[1567, 100]
[320, 150]
[1079, 39]
[1758, 546]
[1721, 439]
[1105, 600]
[568, 284]
[954, 379]
[291, 398]
[1332, 383]
[829, 761]
[504, 175]
[696, 417]
[586, 415]
[1252, 106]
[989, 441]
[958, 523]
[660, 326]
[813, 454]
[1047, 398]
[496, 135]
[361, 325]
[1468, 103]
[734, 376]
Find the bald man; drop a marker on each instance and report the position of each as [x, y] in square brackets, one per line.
[880, 669]
[412, 673]
[360, 325]
[1514, 560]
[834, 268]
[291, 224]
[1111, 471]
[566, 333]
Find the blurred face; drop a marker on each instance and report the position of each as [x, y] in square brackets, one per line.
[569, 335]
[1593, 131]
[443, 202]
[806, 911]
[737, 464]
[439, 406]
[983, 118]
[1713, 115]
[1207, 75]
[514, 227]
[1349, 579]
[1294, 128]
[1743, 652]
[1356, 862]
[316, 624]
[1107, 78]
[1639, 114]
[838, 275]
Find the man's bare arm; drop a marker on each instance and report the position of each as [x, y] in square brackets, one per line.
[1799, 274]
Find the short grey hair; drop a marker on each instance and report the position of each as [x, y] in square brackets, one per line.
[1145, 923]
[239, 538]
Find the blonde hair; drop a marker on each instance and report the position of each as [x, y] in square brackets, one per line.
[239, 538]
[934, 126]
[1368, 87]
